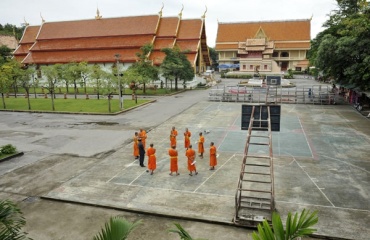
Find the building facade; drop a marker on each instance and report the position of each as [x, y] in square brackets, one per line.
[264, 47]
[99, 40]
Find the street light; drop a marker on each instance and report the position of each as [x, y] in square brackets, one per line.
[117, 56]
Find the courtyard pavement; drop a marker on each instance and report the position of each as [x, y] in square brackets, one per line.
[321, 162]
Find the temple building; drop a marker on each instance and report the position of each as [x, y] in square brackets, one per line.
[264, 47]
[99, 40]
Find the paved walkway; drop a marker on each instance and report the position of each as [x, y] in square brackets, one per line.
[320, 158]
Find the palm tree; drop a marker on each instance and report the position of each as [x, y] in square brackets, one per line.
[118, 228]
[183, 233]
[11, 222]
[295, 227]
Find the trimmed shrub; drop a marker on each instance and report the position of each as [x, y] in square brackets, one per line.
[8, 149]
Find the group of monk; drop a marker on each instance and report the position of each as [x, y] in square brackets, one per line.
[139, 152]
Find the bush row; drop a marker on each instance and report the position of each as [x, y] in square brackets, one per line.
[7, 149]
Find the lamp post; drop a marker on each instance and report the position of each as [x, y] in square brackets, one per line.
[117, 56]
[34, 87]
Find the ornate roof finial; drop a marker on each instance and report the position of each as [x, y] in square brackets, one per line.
[98, 16]
[25, 22]
[180, 14]
[204, 14]
[42, 19]
[311, 17]
[160, 12]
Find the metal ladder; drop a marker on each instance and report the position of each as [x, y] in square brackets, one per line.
[254, 199]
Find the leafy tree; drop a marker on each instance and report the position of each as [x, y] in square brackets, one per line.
[143, 70]
[25, 81]
[214, 57]
[6, 79]
[52, 73]
[295, 226]
[85, 70]
[5, 54]
[97, 75]
[342, 51]
[73, 74]
[11, 222]
[176, 66]
[118, 228]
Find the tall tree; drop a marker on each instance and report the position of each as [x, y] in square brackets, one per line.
[73, 74]
[97, 76]
[342, 51]
[5, 54]
[85, 70]
[51, 73]
[176, 66]
[143, 68]
[6, 80]
[25, 81]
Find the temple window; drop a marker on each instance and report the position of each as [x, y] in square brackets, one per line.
[275, 54]
[244, 67]
[251, 67]
[284, 54]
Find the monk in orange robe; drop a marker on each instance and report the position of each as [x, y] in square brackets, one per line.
[190, 154]
[173, 136]
[152, 160]
[173, 160]
[136, 147]
[187, 135]
[201, 145]
[212, 156]
[143, 136]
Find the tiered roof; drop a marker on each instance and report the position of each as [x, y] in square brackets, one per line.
[98, 40]
[293, 34]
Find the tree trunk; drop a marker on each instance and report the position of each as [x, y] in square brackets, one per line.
[28, 99]
[75, 86]
[52, 101]
[144, 87]
[67, 88]
[176, 84]
[2, 96]
[109, 108]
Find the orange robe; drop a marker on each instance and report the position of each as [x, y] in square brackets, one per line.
[173, 137]
[136, 148]
[173, 160]
[201, 144]
[152, 160]
[190, 153]
[212, 156]
[143, 137]
[187, 136]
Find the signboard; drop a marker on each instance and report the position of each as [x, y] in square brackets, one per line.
[273, 80]
[261, 113]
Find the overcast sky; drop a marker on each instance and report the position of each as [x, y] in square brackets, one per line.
[15, 11]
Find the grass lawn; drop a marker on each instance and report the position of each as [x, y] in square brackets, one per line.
[68, 105]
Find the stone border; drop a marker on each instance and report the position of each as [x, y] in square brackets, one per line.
[12, 156]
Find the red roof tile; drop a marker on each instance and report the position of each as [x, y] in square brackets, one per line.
[137, 25]
[91, 56]
[275, 30]
[164, 43]
[157, 57]
[188, 45]
[23, 49]
[93, 43]
[226, 46]
[29, 34]
[168, 27]
[190, 29]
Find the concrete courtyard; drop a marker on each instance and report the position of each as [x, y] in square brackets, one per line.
[321, 162]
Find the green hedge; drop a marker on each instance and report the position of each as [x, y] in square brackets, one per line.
[8, 149]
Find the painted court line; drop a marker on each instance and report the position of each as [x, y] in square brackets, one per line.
[308, 142]
[213, 173]
[126, 166]
[174, 190]
[313, 181]
[323, 206]
[362, 169]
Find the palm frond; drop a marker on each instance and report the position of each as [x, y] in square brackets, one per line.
[118, 228]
